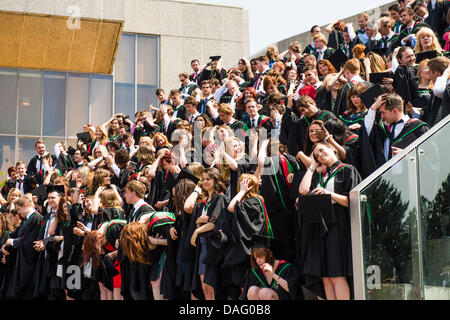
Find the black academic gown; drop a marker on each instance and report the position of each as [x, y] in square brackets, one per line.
[109, 214]
[45, 268]
[3, 267]
[213, 257]
[244, 166]
[160, 224]
[111, 268]
[420, 98]
[372, 147]
[72, 253]
[135, 276]
[284, 270]
[171, 288]
[209, 75]
[402, 83]
[122, 180]
[32, 171]
[325, 248]
[29, 184]
[182, 224]
[21, 285]
[248, 218]
[287, 120]
[438, 108]
[159, 190]
[65, 163]
[297, 133]
[280, 207]
[352, 118]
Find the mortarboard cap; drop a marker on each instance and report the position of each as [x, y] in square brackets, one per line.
[260, 241]
[338, 59]
[56, 188]
[215, 58]
[316, 207]
[184, 174]
[378, 76]
[369, 96]
[41, 194]
[379, 51]
[426, 55]
[187, 174]
[84, 136]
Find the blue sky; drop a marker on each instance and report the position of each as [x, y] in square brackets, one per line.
[270, 21]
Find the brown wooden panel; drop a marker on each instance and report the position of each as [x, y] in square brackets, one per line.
[11, 36]
[106, 46]
[59, 45]
[34, 42]
[84, 46]
[39, 41]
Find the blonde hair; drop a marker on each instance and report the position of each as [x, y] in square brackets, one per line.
[104, 139]
[327, 79]
[321, 37]
[197, 169]
[137, 187]
[11, 192]
[377, 63]
[435, 44]
[24, 202]
[109, 199]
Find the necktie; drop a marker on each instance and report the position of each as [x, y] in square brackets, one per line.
[20, 184]
[392, 138]
[385, 40]
[204, 105]
[40, 164]
[253, 123]
[257, 82]
[52, 215]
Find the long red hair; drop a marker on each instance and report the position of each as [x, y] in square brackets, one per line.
[240, 102]
[91, 249]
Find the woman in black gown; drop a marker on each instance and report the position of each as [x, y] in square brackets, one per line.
[326, 248]
[202, 266]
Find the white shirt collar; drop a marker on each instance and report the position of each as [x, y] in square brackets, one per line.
[390, 35]
[255, 118]
[233, 120]
[357, 78]
[29, 214]
[405, 118]
[195, 115]
[138, 204]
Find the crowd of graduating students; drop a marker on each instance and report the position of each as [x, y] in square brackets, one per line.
[211, 193]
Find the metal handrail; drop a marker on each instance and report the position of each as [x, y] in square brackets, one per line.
[355, 209]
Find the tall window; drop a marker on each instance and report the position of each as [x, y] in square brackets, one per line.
[54, 106]
[136, 73]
